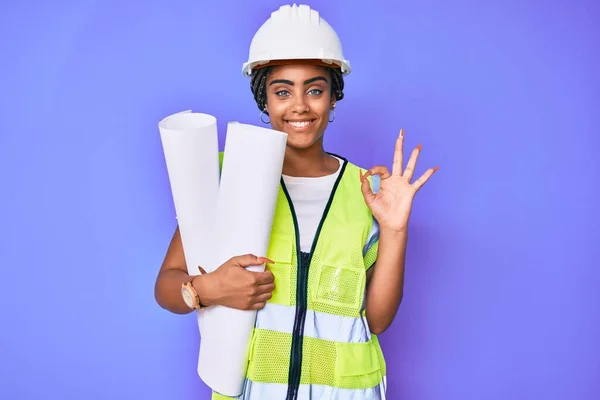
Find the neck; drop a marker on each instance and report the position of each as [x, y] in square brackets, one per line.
[310, 162]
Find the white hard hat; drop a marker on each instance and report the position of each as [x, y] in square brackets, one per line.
[295, 33]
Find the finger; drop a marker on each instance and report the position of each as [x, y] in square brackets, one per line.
[412, 163]
[263, 278]
[424, 178]
[380, 170]
[257, 306]
[248, 260]
[397, 167]
[266, 288]
[365, 187]
[263, 297]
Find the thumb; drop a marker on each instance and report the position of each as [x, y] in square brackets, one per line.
[248, 260]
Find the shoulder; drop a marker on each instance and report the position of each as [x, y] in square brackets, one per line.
[353, 168]
[350, 163]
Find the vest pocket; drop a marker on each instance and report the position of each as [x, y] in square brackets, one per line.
[340, 286]
[280, 251]
[357, 365]
[281, 294]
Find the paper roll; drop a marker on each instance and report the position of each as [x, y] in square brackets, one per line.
[250, 177]
[191, 149]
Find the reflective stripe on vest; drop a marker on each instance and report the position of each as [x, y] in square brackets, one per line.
[263, 391]
[318, 325]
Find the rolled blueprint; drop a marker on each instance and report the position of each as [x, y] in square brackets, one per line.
[250, 177]
[191, 149]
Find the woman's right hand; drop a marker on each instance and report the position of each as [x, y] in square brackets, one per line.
[232, 285]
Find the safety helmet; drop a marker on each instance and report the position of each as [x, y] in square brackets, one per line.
[295, 33]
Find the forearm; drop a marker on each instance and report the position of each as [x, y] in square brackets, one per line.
[385, 288]
[167, 290]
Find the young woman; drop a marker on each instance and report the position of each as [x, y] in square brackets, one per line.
[335, 265]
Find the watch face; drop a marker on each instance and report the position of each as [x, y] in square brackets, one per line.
[187, 297]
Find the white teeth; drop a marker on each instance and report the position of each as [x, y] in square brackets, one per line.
[299, 124]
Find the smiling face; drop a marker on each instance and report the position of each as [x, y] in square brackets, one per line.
[298, 102]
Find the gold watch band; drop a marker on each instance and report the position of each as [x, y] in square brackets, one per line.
[196, 294]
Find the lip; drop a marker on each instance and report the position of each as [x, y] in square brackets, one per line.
[307, 127]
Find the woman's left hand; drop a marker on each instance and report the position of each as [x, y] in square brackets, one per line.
[391, 205]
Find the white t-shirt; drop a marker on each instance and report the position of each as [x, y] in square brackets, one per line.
[310, 196]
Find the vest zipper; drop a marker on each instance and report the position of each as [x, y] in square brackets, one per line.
[303, 262]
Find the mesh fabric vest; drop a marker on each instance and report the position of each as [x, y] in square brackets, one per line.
[312, 340]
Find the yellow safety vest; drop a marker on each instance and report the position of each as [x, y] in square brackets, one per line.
[312, 340]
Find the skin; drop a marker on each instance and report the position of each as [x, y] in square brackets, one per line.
[303, 93]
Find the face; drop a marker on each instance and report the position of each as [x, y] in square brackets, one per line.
[299, 101]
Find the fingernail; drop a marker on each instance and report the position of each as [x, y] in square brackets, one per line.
[435, 168]
[402, 132]
[419, 147]
[265, 260]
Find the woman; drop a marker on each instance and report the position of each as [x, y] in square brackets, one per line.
[335, 265]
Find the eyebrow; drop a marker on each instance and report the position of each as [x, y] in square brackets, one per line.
[306, 82]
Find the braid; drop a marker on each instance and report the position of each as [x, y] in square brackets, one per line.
[337, 83]
[258, 84]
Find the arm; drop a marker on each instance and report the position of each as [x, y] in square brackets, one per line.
[385, 280]
[173, 273]
[391, 207]
[231, 284]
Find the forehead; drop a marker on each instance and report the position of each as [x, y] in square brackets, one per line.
[298, 72]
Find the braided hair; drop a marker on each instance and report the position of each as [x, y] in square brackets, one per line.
[258, 85]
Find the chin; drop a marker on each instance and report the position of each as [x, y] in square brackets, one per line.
[300, 145]
[302, 142]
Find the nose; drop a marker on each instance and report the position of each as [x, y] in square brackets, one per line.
[300, 105]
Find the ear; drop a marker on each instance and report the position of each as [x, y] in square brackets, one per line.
[332, 100]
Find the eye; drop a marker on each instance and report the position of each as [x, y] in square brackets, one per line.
[315, 92]
[281, 93]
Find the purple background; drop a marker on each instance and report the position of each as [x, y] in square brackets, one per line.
[501, 298]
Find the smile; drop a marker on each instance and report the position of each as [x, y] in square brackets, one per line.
[300, 124]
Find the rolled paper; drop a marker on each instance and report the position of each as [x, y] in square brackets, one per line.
[191, 150]
[249, 186]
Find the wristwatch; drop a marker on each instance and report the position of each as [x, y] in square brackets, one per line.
[190, 296]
